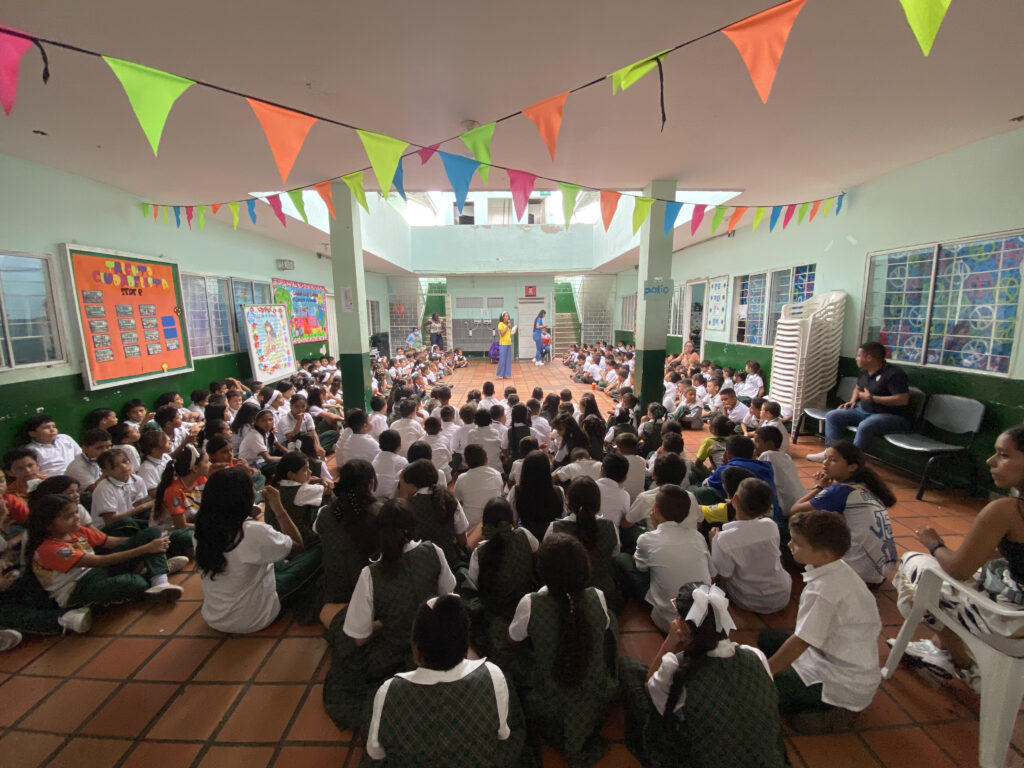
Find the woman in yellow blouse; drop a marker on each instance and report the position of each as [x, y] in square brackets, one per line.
[505, 331]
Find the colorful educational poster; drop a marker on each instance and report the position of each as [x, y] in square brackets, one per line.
[307, 309]
[270, 348]
[116, 294]
[717, 306]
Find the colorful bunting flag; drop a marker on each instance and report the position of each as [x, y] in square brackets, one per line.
[151, 93]
[776, 210]
[697, 218]
[189, 214]
[672, 210]
[286, 132]
[384, 154]
[214, 207]
[925, 17]
[233, 207]
[478, 141]
[12, 48]
[521, 183]
[737, 214]
[814, 211]
[201, 217]
[801, 212]
[761, 39]
[460, 172]
[609, 204]
[156, 211]
[426, 153]
[165, 215]
[177, 216]
[641, 210]
[354, 181]
[828, 207]
[547, 116]
[839, 203]
[275, 203]
[251, 205]
[569, 194]
[719, 213]
[399, 180]
[788, 215]
[627, 76]
[145, 210]
[324, 190]
[758, 215]
[300, 205]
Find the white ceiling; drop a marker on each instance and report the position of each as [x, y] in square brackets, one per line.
[853, 98]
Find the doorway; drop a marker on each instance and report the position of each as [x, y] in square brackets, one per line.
[693, 313]
[526, 311]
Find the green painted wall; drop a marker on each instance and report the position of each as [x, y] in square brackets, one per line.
[625, 337]
[564, 299]
[736, 356]
[673, 345]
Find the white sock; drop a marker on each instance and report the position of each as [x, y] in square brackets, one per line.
[156, 581]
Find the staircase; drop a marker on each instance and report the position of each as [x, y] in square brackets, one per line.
[564, 334]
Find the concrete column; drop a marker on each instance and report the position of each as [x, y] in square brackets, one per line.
[350, 298]
[654, 297]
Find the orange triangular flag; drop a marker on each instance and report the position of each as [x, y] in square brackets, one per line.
[737, 214]
[214, 207]
[286, 131]
[814, 210]
[609, 202]
[761, 39]
[547, 115]
[324, 190]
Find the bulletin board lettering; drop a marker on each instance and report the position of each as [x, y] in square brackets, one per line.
[129, 312]
[307, 309]
[270, 347]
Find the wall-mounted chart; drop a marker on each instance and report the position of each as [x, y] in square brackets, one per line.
[717, 303]
[307, 309]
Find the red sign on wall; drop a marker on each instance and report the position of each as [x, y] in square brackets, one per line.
[531, 291]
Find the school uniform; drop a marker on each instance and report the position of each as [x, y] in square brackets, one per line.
[388, 466]
[493, 440]
[788, 485]
[54, 457]
[602, 558]
[872, 554]
[378, 423]
[673, 554]
[286, 423]
[84, 471]
[640, 509]
[115, 496]
[254, 444]
[633, 485]
[542, 427]
[342, 559]
[582, 468]
[441, 533]
[475, 488]
[747, 553]
[130, 453]
[151, 470]
[738, 413]
[669, 399]
[614, 500]
[410, 430]
[779, 425]
[179, 436]
[362, 446]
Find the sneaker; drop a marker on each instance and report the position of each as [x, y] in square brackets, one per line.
[165, 593]
[175, 564]
[9, 638]
[78, 620]
[971, 676]
[818, 457]
[924, 653]
[819, 721]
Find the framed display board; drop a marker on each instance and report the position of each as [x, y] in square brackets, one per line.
[717, 304]
[270, 345]
[129, 312]
[307, 309]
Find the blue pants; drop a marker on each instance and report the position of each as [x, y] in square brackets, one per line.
[868, 425]
[539, 357]
[504, 361]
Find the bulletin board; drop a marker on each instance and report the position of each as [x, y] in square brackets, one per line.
[717, 304]
[129, 312]
[307, 309]
[270, 346]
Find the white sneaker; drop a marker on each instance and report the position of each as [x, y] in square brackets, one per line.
[78, 620]
[819, 457]
[9, 638]
[925, 653]
[175, 564]
[166, 593]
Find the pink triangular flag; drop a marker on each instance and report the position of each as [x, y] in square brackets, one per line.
[189, 213]
[697, 218]
[11, 50]
[427, 152]
[788, 215]
[521, 184]
[275, 203]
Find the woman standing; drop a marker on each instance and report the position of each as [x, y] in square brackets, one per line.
[436, 329]
[538, 330]
[505, 331]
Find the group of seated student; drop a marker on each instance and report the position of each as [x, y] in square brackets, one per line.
[509, 529]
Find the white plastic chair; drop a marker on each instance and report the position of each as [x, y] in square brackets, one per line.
[1000, 660]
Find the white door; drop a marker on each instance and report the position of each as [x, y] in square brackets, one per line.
[526, 311]
[694, 299]
[332, 328]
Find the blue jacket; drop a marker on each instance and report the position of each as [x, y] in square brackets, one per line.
[762, 470]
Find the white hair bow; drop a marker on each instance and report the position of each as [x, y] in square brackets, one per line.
[705, 596]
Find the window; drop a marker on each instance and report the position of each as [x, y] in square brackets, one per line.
[208, 314]
[467, 216]
[789, 286]
[28, 321]
[373, 315]
[952, 304]
[469, 302]
[675, 315]
[247, 292]
[750, 294]
[495, 302]
[627, 313]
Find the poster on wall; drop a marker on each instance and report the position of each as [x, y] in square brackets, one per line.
[717, 303]
[129, 314]
[269, 341]
[307, 309]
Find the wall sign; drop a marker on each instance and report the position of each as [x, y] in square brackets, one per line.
[717, 303]
[307, 309]
[531, 291]
[267, 331]
[129, 313]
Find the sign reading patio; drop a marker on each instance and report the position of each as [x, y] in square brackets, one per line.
[270, 348]
[306, 305]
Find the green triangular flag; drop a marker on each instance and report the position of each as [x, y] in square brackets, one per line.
[234, 214]
[801, 212]
[569, 194]
[925, 17]
[384, 153]
[719, 213]
[828, 207]
[145, 210]
[355, 183]
[625, 77]
[299, 203]
[478, 141]
[151, 92]
[758, 215]
[201, 215]
[641, 210]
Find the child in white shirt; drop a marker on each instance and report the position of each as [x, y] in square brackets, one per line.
[388, 464]
[54, 450]
[378, 418]
[627, 445]
[84, 468]
[772, 417]
[788, 485]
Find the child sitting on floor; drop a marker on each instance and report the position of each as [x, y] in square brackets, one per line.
[84, 468]
[54, 451]
[711, 454]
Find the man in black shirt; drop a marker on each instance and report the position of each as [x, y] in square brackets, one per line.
[879, 405]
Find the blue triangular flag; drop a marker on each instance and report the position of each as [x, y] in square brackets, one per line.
[839, 203]
[177, 216]
[460, 172]
[399, 180]
[775, 218]
[671, 214]
[251, 205]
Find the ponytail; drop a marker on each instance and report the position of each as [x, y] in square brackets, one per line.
[584, 498]
[396, 525]
[565, 568]
[703, 639]
[498, 532]
[865, 475]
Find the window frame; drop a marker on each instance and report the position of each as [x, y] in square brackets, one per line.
[736, 279]
[232, 336]
[627, 312]
[57, 299]
[771, 326]
[374, 329]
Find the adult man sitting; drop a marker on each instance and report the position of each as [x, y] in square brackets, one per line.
[879, 405]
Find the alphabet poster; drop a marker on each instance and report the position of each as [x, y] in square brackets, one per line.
[270, 346]
[307, 309]
[129, 313]
[717, 304]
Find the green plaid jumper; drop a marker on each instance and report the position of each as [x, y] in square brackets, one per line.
[303, 516]
[429, 528]
[602, 559]
[342, 560]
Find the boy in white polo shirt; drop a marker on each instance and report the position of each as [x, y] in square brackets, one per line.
[54, 450]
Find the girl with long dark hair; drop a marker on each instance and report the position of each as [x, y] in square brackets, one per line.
[535, 499]
[439, 516]
[539, 327]
[570, 436]
[348, 530]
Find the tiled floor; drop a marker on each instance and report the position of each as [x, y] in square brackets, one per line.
[154, 686]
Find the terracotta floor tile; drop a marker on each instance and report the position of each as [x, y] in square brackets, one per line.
[960, 740]
[839, 750]
[149, 754]
[69, 706]
[27, 750]
[192, 585]
[747, 619]
[276, 629]
[263, 714]
[129, 711]
[618, 757]
[122, 657]
[164, 619]
[635, 617]
[311, 757]
[550, 758]
[924, 701]
[237, 757]
[178, 659]
[784, 619]
[90, 753]
[66, 656]
[640, 645]
[794, 757]
[889, 613]
[304, 630]
[21, 693]
[30, 648]
[116, 618]
[180, 721]
[196, 626]
[236, 659]
[883, 712]
[906, 748]
[355, 758]
[293, 660]
[312, 722]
